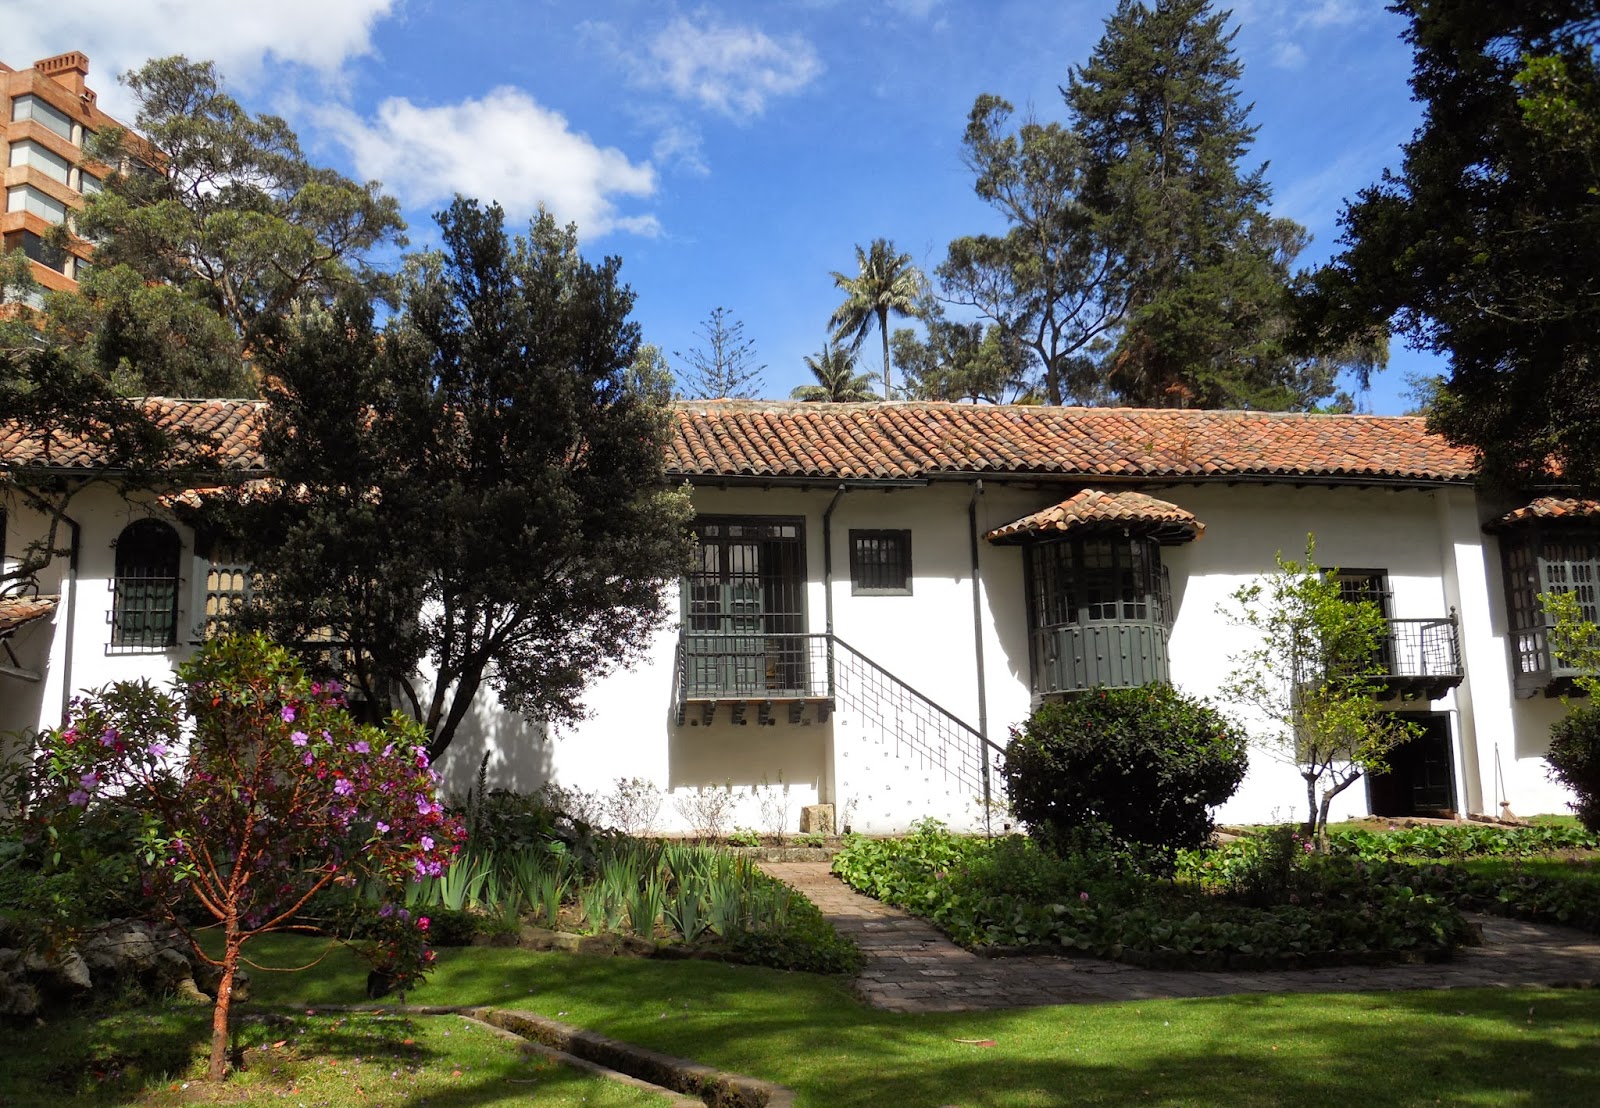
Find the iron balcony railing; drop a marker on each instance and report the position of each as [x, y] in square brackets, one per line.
[1424, 649]
[739, 667]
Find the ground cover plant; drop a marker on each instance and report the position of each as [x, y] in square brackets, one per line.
[527, 864]
[1479, 1047]
[1109, 903]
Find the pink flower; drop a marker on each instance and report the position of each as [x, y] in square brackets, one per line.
[427, 842]
[422, 923]
[343, 787]
[383, 828]
[287, 715]
[299, 738]
[1083, 897]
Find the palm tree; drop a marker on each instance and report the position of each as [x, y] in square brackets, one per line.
[837, 379]
[887, 282]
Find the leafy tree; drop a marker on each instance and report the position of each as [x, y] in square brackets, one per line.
[885, 283]
[213, 227]
[255, 791]
[837, 380]
[51, 399]
[1574, 754]
[725, 367]
[1145, 765]
[1312, 680]
[1485, 244]
[963, 361]
[1051, 282]
[479, 484]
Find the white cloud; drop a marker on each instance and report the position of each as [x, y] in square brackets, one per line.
[915, 9]
[505, 147]
[726, 68]
[1287, 55]
[239, 35]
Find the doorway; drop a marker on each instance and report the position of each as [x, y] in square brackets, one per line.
[1421, 776]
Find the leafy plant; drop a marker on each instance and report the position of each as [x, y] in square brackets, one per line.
[744, 836]
[1314, 675]
[1146, 764]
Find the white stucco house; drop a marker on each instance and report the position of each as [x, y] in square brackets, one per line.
[883, 590]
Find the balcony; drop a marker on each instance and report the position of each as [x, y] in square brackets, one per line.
[1079, 656]
[1421, 658]
[770, 673]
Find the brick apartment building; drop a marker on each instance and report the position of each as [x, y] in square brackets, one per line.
[50, 116]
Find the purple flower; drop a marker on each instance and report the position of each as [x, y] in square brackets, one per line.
[343, 786]
[89, 780]
[388, 750]
[427, 842]
[299, 738]
[109, 738]
[309, 758]
[361, 747]
[386, 911]
[78, 798]
[158, 750]
[383, 828]
[287, 715]
[424, 804]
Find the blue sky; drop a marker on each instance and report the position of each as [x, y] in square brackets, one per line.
[733, 153]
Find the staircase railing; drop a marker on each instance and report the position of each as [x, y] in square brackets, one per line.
[738, 666]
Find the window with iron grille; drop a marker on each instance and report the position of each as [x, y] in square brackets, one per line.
[1552, 560]
[144, 607]
[880, 563]
[1078, 581]
[230, 584]
[744, 629]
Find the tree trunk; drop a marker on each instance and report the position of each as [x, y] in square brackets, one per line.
[1310, 825]
[1322, 824]
[219, 1014]
[883, 329]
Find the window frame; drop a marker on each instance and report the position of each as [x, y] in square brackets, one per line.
[156, 593]
[900, 538]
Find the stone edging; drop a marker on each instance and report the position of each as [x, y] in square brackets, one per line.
[597, 1053]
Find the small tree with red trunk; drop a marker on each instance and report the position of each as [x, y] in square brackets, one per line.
[257, 791]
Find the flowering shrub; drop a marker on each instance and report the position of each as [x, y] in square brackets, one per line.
[255, 790]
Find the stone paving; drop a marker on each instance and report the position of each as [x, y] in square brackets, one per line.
[912, 967]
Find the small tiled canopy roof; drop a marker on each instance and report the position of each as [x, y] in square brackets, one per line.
[18, 610]
[1548, 509]
[1095, 509]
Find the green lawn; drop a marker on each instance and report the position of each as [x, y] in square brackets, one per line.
[1487, 1047]
[1478, 1047]
[1581, 866]
[156, 1056]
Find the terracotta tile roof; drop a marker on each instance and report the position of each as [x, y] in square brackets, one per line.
[17, 610]
[913, 440]
[214, 433]
[774, 439]
[1094, 508]
[1564, 509]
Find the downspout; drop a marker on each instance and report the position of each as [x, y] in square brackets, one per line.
[72, 617]
[827, 575]
[827, 609]
[977, 645]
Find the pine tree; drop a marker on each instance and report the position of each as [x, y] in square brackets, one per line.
[1203, 265]
[724, 367]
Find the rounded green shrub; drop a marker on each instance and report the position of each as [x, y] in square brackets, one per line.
[1144, 765]
[1574, 760]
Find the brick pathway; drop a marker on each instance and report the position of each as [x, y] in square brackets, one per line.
[912, 967]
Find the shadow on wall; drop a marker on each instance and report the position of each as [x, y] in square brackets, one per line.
[520, 751]
[746, 754]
